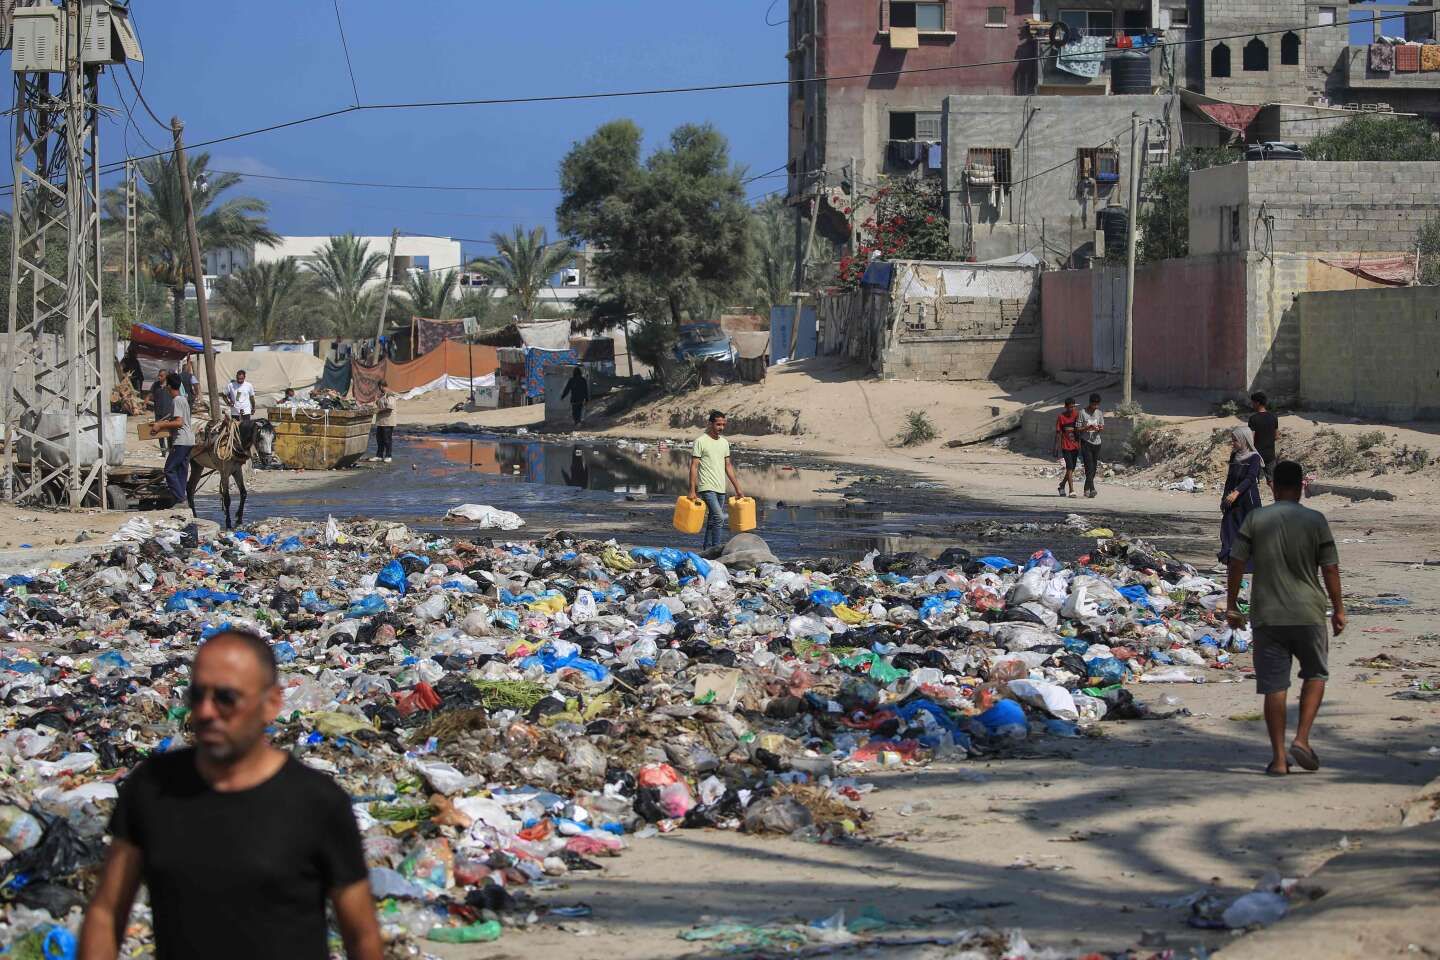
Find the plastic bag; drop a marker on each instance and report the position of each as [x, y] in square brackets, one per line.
[1078, 605]
[392, 577]
[1051, 697]
[488, 518]
[1031, 585]
[1260, 908]
[777, 815]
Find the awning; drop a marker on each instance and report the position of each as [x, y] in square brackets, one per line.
[1236, 117]
[1392, 271]
[144, 336]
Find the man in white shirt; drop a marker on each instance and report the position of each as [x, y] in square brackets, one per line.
[240, 395]
[1090, 427]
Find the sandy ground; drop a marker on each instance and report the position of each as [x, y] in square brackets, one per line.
[1080, 842]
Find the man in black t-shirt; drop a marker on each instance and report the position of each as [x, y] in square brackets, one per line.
[238, 842]
[1265, 425]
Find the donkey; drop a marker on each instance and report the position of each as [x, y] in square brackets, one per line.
[254, 439]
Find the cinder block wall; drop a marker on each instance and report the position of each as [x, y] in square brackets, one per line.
[1372, 353]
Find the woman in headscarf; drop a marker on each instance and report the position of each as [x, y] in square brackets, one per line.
[1242, 488]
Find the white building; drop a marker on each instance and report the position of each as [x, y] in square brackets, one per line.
[411, 253]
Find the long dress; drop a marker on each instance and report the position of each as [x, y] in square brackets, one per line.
[1244, 476]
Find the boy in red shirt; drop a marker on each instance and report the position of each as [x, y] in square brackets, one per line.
[1067, 444]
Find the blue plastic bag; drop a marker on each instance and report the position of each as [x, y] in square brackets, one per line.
[290, 545]
[1003, 715]
[112, 658]
[547, 658]
[1106, 669]
[908, 711]
[366, 606]
[284, 652]
[659, 614]
[698, 563]
[1136, 593]
[311, 601]
[506, 618]
[180, 600]
[1076, 645]
[999, 563]
[826, 598]
[392, 577]
[1042, 558]
[931, 606]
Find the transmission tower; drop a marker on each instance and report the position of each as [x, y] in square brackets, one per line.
[60, 351]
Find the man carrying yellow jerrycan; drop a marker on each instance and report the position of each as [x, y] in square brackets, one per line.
[710, 467]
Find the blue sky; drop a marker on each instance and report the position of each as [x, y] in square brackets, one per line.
[227, 67]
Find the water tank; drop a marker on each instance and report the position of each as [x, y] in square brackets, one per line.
[1130, 72]
[1114, 222]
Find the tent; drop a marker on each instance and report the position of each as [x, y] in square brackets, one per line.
[270, 372]
[153, 341]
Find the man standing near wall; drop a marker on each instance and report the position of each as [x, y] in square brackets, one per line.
[1266, 427]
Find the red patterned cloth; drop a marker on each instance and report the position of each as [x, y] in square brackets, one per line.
[365, 382]
[1407, 58]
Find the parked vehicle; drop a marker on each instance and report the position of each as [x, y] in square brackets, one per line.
[1274, 150]
[704, 341]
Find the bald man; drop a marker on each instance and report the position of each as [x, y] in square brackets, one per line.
[238, 842]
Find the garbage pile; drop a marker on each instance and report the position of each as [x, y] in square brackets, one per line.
[504, 714]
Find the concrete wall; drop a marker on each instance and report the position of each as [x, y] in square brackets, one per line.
[939, 321]
[1372, 353]
[1067, 319]
[1049, 130]
[1280, 206]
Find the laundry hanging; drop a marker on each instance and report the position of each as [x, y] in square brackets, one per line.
[1082, 57]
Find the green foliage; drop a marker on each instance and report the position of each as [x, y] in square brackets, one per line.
[908, 223]
[523, 264]
[160, 226]
[345, 267]
[772, 264]
[1228, 408]
[1131, 409]
[918, 429]
[1375, 137]
[1150, 441]
[1165, 224]
[672, 231]
[1429, 242]
[268, 301]
[1370, 439]
[651, 341]
[428, 294]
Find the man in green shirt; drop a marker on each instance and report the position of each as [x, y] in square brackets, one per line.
[710, 467]
[1291, 548]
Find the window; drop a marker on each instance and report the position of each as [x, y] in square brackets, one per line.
[994, 16]
[1220, 60]
[1290, 49]
[1096, 23]
[1179, 16]
[1327, 16]
[1100, 165]
[1135, 22]
[927, 17]
[987, 166]
[918, 125]
[1256, 56]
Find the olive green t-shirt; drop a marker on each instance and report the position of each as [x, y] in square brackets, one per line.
[712, 454]
[1288, 545]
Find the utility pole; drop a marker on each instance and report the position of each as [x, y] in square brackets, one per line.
[799, 293]
[385, 294]
[1128, 376]
[53, 385]
[196, 265]
[854, 208]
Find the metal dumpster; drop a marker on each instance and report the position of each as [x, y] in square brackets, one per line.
[320, 439]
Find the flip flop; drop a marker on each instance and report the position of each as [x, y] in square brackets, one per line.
[1270, 771]
[1304, 756]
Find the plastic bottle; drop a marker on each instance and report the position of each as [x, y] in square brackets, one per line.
[475, 933]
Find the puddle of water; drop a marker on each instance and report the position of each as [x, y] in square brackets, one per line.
[608, 490]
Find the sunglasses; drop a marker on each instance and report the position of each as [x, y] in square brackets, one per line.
[226, 698]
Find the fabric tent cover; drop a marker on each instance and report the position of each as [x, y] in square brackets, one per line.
[450, 359]
[1393, 271]
[162, 342]
[269, 372]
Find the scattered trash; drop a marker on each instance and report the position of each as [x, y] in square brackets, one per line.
[487, 518]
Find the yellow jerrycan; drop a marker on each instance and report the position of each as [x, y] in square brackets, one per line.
[689, 514]
[742, 514]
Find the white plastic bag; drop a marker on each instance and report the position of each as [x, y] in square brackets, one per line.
[1050, 697]
[1078, 605]
[1031, 585]
[487, 517]
[584, 608]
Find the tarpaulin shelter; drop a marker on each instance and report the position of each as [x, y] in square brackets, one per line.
[1391, 271]
[430, 334]
[336, 376]
[153, 341]
[538, 361]
[269, 372]
[451, 359]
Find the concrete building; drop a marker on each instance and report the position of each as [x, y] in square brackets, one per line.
[411, 253]
[1264, 236]
[942, 89]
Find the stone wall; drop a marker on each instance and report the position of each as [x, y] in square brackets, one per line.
[1372, 353]
[1281, 206]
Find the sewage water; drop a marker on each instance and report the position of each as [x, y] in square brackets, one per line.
[604, 489]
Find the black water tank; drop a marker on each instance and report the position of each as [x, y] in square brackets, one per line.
[1115, 223]
[1130, 72]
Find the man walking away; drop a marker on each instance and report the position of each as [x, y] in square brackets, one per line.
[182, 439]
[578, 390]
[1292, 550]
[384, 425]
[1266, 427]
[1067, 443]
[164, 407]
[241, 396]
[710, 467]
[238, 842]
[1092, 424]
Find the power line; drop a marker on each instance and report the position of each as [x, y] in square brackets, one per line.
[387, 186]
[743, 85]
[143, 102]
[344, 45]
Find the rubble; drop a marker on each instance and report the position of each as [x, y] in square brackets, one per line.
[504, 714]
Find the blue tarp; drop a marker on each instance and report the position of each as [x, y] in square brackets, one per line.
[781, 321]
[878, 273]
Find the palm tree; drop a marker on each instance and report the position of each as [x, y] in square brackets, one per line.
[343, 271]
[160, 226]
[430, 293]
[772, 261]
[267, 299]
[523, 264]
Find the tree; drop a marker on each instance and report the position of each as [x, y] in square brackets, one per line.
[344, 270]
[772, 263]
[429, 293]
[1429, 244]
[523, 264]
[1164, 225]
[160, 221]
[676, 224]
[1373, 137]
[267, 300]
[907, 223]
